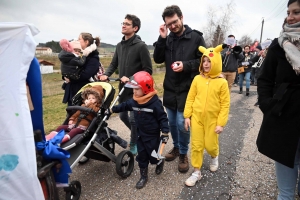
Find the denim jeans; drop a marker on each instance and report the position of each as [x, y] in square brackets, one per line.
[130, 123]
[247, 77]
[287, 178]
[181, 137]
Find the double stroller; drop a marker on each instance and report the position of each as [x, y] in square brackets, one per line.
[96, 142]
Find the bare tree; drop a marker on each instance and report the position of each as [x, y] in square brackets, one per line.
[218, 37]
[245, 40]
[222, 19]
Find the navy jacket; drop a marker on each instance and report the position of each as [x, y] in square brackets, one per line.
[89, 69]
[150, 118]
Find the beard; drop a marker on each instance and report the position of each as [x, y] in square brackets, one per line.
[178, 30]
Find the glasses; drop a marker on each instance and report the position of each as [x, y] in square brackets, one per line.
[169, 25]
[125, 24]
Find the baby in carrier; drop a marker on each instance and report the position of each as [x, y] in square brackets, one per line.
[71, 58]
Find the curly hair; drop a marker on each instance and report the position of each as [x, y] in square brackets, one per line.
[170, 11]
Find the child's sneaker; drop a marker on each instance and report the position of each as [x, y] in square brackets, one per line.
[191, 181]
[214, 164]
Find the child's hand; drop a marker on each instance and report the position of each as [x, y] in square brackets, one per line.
[187, 124]
[219, 129]
[70, 122]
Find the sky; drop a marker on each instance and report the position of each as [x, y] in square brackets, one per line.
[68, 18]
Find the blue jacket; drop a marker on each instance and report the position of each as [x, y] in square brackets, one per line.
[150, 118]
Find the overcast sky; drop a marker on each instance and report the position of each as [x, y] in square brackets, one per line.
[67, 18]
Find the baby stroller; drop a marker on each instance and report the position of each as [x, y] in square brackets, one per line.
[96, 142]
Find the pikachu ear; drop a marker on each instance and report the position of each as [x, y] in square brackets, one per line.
[219, 48]
[202, 49]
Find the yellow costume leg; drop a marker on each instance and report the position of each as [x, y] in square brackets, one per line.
[211, 138]
[197, 143]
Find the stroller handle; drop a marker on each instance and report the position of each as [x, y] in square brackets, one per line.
[113, 79]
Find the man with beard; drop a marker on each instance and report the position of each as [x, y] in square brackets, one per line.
[179, 51]
[131, 56]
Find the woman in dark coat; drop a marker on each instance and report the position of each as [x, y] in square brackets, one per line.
[279, 100]
[90, 68]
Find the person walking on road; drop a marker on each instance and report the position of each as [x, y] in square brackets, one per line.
[206, 111]
[150, 118]
[278, 97]
[131, 55]
[179, 51]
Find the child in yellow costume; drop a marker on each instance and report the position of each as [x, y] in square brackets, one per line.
[206, 111]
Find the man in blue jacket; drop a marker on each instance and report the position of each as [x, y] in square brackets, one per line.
[179, 51]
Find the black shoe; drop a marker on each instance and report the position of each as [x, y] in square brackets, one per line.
[144, 178]
[160, 168]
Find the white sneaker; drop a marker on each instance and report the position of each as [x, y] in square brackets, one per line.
[191, 181]
[214, 164]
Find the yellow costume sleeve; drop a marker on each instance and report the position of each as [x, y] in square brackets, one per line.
[188, 108]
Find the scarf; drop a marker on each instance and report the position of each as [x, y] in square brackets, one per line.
[289, 40]
[144, 99]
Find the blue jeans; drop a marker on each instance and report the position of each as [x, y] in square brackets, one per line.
[181, 137]
[130, 123]
[287, 178]
[247, 77]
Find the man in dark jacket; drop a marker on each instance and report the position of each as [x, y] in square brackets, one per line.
[131, 56]
[179, 51]
[231, 56]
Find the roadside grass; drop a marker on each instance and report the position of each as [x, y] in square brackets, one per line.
[55, 111]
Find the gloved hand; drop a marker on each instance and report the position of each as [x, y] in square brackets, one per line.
[164, 137]
[89, 49]
[108, 113]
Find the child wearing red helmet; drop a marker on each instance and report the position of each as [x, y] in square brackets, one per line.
[150, 118]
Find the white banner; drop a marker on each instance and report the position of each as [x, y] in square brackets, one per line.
[18, 170]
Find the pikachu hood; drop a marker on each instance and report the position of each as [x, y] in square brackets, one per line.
[214, 55]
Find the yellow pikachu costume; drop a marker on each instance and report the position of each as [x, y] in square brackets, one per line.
[207, 105]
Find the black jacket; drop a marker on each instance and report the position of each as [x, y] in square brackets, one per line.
[131, 56]
[279, 133]
[247, 59]
[71, 65]
[184, 48]
[231, 63]
[150, 118]
[89, 69]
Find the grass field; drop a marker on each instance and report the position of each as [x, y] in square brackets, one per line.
[55, 110]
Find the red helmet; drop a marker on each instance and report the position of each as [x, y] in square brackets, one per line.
[141, 80]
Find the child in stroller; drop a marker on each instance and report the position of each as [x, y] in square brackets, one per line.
[78, 122]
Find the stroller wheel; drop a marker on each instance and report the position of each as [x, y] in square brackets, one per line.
[74, 190]
[83, 160]
[124, 163]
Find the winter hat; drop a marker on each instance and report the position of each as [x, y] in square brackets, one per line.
[76, 44]
[66, 45]
[96, 90]
[214, 55]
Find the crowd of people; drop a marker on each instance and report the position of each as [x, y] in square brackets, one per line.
[196, 96]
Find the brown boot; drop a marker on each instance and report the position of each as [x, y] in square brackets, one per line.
[183, 164]
[174, 153]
